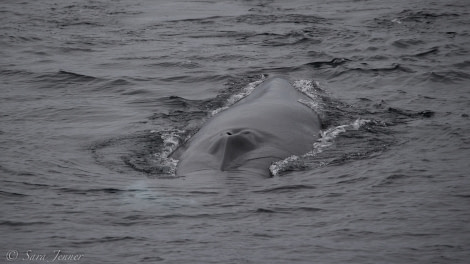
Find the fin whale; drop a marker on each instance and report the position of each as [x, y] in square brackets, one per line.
[266, 126]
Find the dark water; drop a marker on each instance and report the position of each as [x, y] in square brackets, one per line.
[91, 91]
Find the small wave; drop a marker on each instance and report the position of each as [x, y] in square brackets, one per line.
[462, 65]
[105, 239]
[76, 75]
[5, 194]
[202, 20]
[412, 114]
[287, 188]
[287, 210]
[331, 63]
[423, 16]
[92, 191]
[448, 76]
[187, 64]
[406, 43]
[117, 82]
[326, 139]
[429, 51]
[256, 19]
[19, 74]
[391, 179]
[190, 79]
[395, 68]
[175, 101]
[22, 223]
[276, 40]
[57, 79]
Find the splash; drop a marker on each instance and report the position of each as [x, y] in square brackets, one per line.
[311, 89]
[237, 97]
[308, 87]
[326, 139]
[171, 140]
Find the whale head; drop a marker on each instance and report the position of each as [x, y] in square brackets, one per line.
[233, 145]
[242, 150]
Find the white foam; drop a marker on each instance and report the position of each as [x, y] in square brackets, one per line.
[326, 139]
[171, 140]
[310, 88]
[237, 97]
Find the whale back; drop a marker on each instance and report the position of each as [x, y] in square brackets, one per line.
[267, 125]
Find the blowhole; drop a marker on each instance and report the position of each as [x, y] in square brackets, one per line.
[229, 133]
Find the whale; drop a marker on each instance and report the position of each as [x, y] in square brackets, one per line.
[268, 125]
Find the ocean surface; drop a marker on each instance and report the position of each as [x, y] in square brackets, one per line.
[94, 95]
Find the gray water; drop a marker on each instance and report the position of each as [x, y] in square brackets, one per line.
[89, 89]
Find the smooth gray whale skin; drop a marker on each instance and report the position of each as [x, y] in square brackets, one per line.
[266, 126]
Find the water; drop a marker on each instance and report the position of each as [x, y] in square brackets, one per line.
[89, 88]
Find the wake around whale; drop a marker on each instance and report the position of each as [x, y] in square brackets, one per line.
[268, 125]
